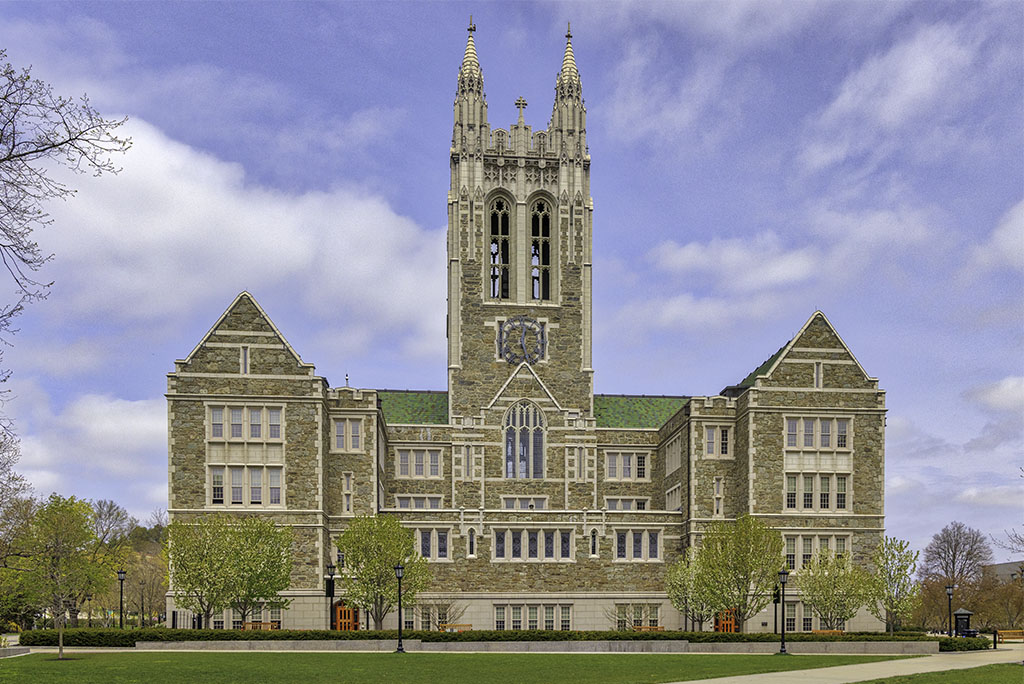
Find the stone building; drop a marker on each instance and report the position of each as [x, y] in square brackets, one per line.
[538, 503]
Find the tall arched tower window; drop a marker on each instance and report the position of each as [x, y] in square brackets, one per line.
[524, 441]
[499, 214]
[540, 250]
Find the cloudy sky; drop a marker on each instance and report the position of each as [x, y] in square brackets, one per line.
[752, 162]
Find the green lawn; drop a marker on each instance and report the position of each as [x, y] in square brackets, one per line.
[1007, 673]
[368, 668]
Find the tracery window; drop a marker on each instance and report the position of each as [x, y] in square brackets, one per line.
[500, 218]
[540, 250]
[524, 441]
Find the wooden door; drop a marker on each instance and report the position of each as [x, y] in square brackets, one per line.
[346, 618]
[725, 621]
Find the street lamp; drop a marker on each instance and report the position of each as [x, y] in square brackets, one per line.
[120, 578]
[399, 571]
[783, 577]
[330, 594]
[949, 595]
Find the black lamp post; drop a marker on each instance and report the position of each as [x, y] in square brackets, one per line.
[88, 597]
[120, 578]
[949, 595]
[783, 577]
[399, 571]
[330, 595]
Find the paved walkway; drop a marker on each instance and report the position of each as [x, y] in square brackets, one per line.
[847, 674]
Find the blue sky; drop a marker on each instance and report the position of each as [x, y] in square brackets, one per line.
[752, 162]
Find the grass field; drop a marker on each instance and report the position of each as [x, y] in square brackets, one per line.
[386, 668]
[1011, 673]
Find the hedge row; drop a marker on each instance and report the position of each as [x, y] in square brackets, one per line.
[128, 638]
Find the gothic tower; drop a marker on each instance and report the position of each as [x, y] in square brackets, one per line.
[519, 248]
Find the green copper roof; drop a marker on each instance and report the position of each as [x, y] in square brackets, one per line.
[762, 369]
[633, 411]
[414, 407]
[409, 407]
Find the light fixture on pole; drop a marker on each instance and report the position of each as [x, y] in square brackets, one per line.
[142, 603]
[783, 578]
[949, 595]
[330, 595]
[120, 578]
[399, 571]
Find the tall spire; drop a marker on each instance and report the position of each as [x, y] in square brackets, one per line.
[568, 84]
[471, 78]
[569, 60]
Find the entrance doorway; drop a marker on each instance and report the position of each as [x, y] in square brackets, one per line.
[725, 621]
[346, 618]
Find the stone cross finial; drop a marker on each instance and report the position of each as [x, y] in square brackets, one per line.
[521, 104]
[472, 26]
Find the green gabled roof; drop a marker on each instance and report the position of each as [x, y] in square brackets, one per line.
[635, 411]
[416, 407]
[763, 368]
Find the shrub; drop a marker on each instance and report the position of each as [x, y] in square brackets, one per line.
[963, 643]
[127, 638]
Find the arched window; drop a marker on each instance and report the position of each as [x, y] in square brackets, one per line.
[524, 441]
[499, 214]
[540, 250]
[593, 542]
[472, 542]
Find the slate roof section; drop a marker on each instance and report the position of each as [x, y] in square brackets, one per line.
[419, 407]
[763, 368]
[414, 407]
[635, 411]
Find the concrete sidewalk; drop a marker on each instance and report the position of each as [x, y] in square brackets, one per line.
[848, 674]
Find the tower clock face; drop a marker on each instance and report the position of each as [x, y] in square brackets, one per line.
[522, 339]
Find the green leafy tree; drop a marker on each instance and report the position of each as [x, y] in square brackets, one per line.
[737, 566]
[199, 562]
[834, 587]
[686, 593]
[62, 566]
[893, 594]
[261, 564]
[373, 546]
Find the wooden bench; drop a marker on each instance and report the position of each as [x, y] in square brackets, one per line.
[1004, 634]
[451, 627]
[648, 628]
[828, 632]
[258, 626]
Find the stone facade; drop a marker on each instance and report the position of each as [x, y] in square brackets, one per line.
[536, 501]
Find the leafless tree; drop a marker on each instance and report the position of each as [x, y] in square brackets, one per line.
[956, 555]
[40, 131]
[1014, 541]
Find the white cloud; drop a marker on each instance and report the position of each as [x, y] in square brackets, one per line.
[916, 83]
[1004, 247]
[744, 265]
[999, 496]
[694, 314]
[179, 221]
[98, 434]
[1005, 395]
